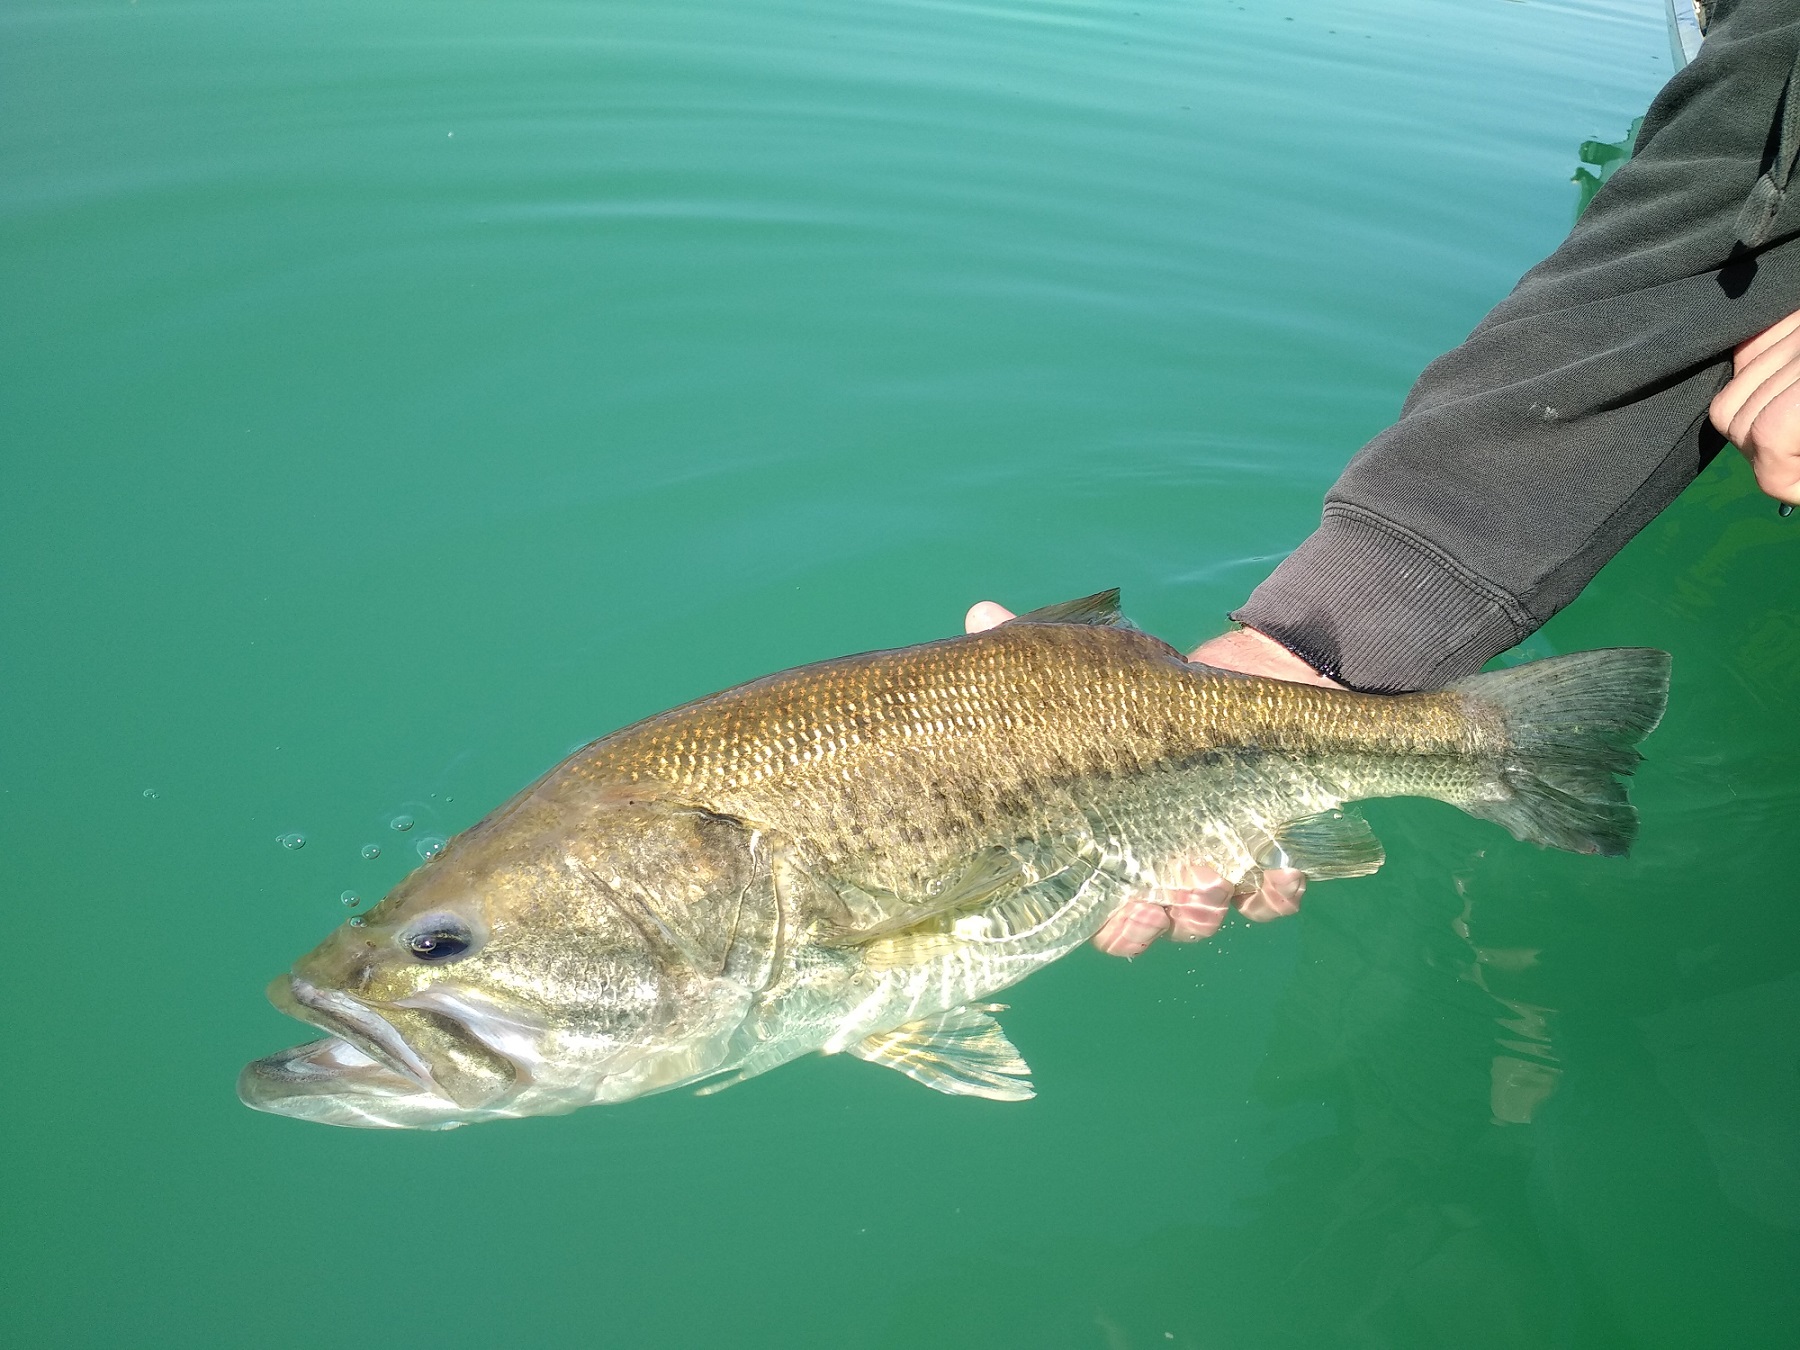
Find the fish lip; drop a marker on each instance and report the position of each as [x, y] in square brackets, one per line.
[358, 1024]
[332, 1082]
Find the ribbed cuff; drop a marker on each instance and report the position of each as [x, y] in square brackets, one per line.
[1381, 610]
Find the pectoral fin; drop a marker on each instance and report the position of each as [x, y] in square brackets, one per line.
[962, 1052]
[1001, 897]
[992, 874]
[1328, 845]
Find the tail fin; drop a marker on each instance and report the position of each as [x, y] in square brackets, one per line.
[1572, 723]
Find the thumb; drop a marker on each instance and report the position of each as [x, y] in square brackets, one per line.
[985, 614]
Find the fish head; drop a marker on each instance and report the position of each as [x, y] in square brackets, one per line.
[499, 980]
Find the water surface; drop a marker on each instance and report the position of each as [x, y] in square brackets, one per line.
[396, 395]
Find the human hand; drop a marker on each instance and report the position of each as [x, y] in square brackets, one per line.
[1193, 903]
[1759, 410]
[1252, 653]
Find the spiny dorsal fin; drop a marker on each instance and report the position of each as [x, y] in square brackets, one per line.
[1329, 845]
[962, 1052]
[1100, 610]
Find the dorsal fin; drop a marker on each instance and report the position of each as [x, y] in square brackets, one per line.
[1100, 610]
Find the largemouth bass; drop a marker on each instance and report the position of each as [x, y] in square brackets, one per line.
[854, 856]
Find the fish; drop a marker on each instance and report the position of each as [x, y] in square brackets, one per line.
[855, 856]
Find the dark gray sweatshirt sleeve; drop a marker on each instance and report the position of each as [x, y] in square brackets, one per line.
[1528, 456]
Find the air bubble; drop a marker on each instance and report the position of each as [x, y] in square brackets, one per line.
[292, 840]
[356, 921]
[430, 846]
[151, 794]
[371, 850]
[401, 823]
[351, 898]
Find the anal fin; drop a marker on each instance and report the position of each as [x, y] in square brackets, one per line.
[1325, 846]
[962, 1052]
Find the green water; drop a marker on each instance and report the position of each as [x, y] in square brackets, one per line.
[395, 395]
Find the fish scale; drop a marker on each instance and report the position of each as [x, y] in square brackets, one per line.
[890, 763]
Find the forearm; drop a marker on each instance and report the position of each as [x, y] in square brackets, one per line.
[1577, 410]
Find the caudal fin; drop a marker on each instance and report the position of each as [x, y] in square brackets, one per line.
[1573, 724]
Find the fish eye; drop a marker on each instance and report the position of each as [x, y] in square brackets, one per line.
[440, 938]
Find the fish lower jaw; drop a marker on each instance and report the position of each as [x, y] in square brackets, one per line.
[366, 1074]
[332, 1082]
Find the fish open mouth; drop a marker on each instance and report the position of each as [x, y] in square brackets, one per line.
[352, 1021]
[405, 1067]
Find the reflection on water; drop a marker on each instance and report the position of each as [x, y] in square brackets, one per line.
[1401, 1224]
[1600, 160]
[1519, 1085]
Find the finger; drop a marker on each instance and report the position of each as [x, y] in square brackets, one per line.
[1277, 897]
[1194, 915]
[1749, 376]
[1754, 363]
[983, 615]
[1773, 445]
[1754, 347]
[1767, 358]
[1750, 373]
[1725, 405]
[1739, 431]
[1129, 932]
[1197, 897]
